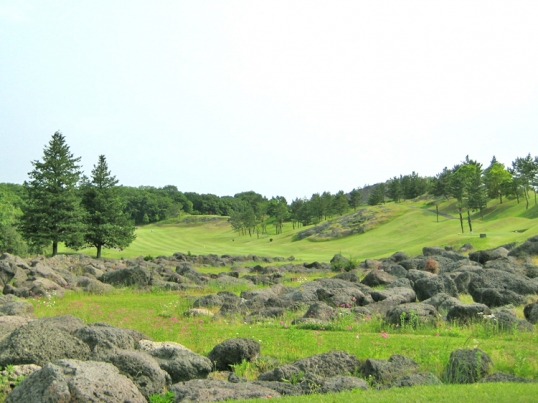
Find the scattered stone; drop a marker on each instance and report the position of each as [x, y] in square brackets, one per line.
[76, 381]
[181, 364]
[428, 287]
[212, 390]
[233, 351]
[326, 365]
[467, 366]
[412, 315]
[106, 336]
[138, 366]
[531, 312]
[528, 248]
[148, 345]
[505, 378]
[338, 384]
[39, 343]
[198, 312]
[386, 371]
[468, 313]
[442, 302]
[378, 277]
[418, 379]
[494, 297]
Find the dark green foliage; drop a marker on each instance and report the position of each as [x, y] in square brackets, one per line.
[355, 198]
[340, 203]
[316, 207]
[477, 197]
[147, 204]
[378, 195]
[299, 212]
[52, 212]
[497, 180]
[11, 240]
[107, 226]
[327, 201]
[413, 185]
[243, 219]
[441, 183]
[394, 189]
[525, 171]
[278, 210]
[211, 204]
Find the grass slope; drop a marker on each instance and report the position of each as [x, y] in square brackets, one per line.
[412, 226]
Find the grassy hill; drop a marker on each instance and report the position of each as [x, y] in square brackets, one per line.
[406, 226]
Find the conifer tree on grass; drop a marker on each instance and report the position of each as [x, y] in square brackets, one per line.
[52, 212]
[107, 226]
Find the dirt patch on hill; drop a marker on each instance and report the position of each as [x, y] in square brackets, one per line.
[357, 222]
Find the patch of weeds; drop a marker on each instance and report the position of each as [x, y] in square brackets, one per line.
[149, 258]
[168, 397]
[343, 264]
[49, 301]
[295, 378]
[244, 369]
[409, 320]
[169, 309]
[8, 381]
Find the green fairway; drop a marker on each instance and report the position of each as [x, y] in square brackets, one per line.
[412, 226]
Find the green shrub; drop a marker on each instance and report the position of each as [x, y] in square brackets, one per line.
[168, 397]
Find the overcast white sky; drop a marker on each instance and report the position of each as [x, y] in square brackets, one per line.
[280, 97]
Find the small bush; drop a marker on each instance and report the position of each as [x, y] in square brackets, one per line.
[344, 264]
[148, 258]
[431, 266]
[168, 397]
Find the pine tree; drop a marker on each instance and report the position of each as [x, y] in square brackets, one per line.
[378, 195]
[107, 226]
[340, 203]
[52, 212]
[496, 178]
[355, 197]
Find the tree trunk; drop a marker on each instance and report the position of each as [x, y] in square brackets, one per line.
[437, 211]
[469, 221]
[54, 248]
[461, 219]
[501, 197]
[527, 198]
[99, 251]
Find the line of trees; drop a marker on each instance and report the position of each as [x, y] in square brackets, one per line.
[59, 204]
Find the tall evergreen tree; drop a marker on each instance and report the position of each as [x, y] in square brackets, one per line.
[394, 189]
[441, 183]
[107, 226]
[340, 203]
[477, 198]
[355, 197]
[378, 195]
[52, 212]
[525, 172]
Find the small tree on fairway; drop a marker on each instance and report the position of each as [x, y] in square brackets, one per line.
[496, 178]
[107, 226]
[52, 212]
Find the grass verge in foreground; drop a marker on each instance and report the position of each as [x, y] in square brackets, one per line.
[492, 392]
